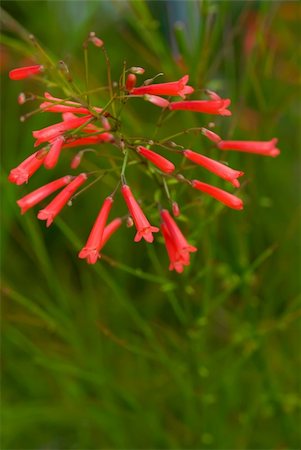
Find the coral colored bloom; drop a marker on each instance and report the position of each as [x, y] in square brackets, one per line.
[203, 106]
[266, 148]
[53, 155]
[91, 250]
[162, 163]
[109, 230]
[53, 131]
[25, 72]
[35, 197]
[76, 160]
[130, 81]
[216, 167]
[212, 136]
[155, 100]
[175, 262]
[144, 228]
[181, 247]
[172, 88]
[56, 205]
[66, 106]
[27, 168]
[89, 140]
[224, 197]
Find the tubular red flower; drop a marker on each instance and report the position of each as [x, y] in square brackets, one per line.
[172, 88]
[212, 136]
[216, 167]
[35, 197]
[175, 263]
[53, 131]
[27, 168]
[53, 155]
[56, 205]
[155, 100]
[203, 106]
[224, 197]
[94, 243]
[144, 228]
[162, 163]
[109, 230]
[130, 81]
[179, 249]
[266, 148]
[25, 72]
[89, 140]
[67, 106]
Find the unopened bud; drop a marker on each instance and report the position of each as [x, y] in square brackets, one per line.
[21, 98]
[175, 209]
[130, 82]
[137, 70]
[95, 40]
[212, 136]
[150, 80]
[129, 222]
[105, 123]
[213, 95]
[76, 160]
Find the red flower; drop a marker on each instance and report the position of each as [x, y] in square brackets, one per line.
[175, 263]
[67, 106]
[162, 163]
[53, 131]
[53, 155]
[96, 139]
[144, 228]
[176, 244]
[27, 168]
[91, 250]
[216, 167]
[225, 197]
[56, 205]
[266, 148]
[25, 72]
[38, 195]
[203, 106]
[172, 88]
[109, 230]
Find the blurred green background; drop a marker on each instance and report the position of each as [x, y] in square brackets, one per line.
[126, 354]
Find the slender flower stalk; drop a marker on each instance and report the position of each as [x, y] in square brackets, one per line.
[215, 167]
[266, 148]
[144, 228]
[25, 72]
[94, 243]
[224, 197]
[203, 106]
[53, 155]
[172, 88]
[57, 204]
[35, 197]
[181, 247]
[27, 168]
[162, 163]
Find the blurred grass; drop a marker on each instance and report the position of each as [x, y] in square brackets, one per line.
[125, 354]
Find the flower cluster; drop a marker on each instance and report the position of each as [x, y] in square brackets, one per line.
[83, 125]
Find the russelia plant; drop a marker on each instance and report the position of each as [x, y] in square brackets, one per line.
[82, 125]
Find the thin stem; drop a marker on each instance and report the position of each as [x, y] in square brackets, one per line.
[189, 130]
[86, 73]
[126, 155]
[108, 64]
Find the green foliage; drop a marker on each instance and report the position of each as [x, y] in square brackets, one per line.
[126, 354]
